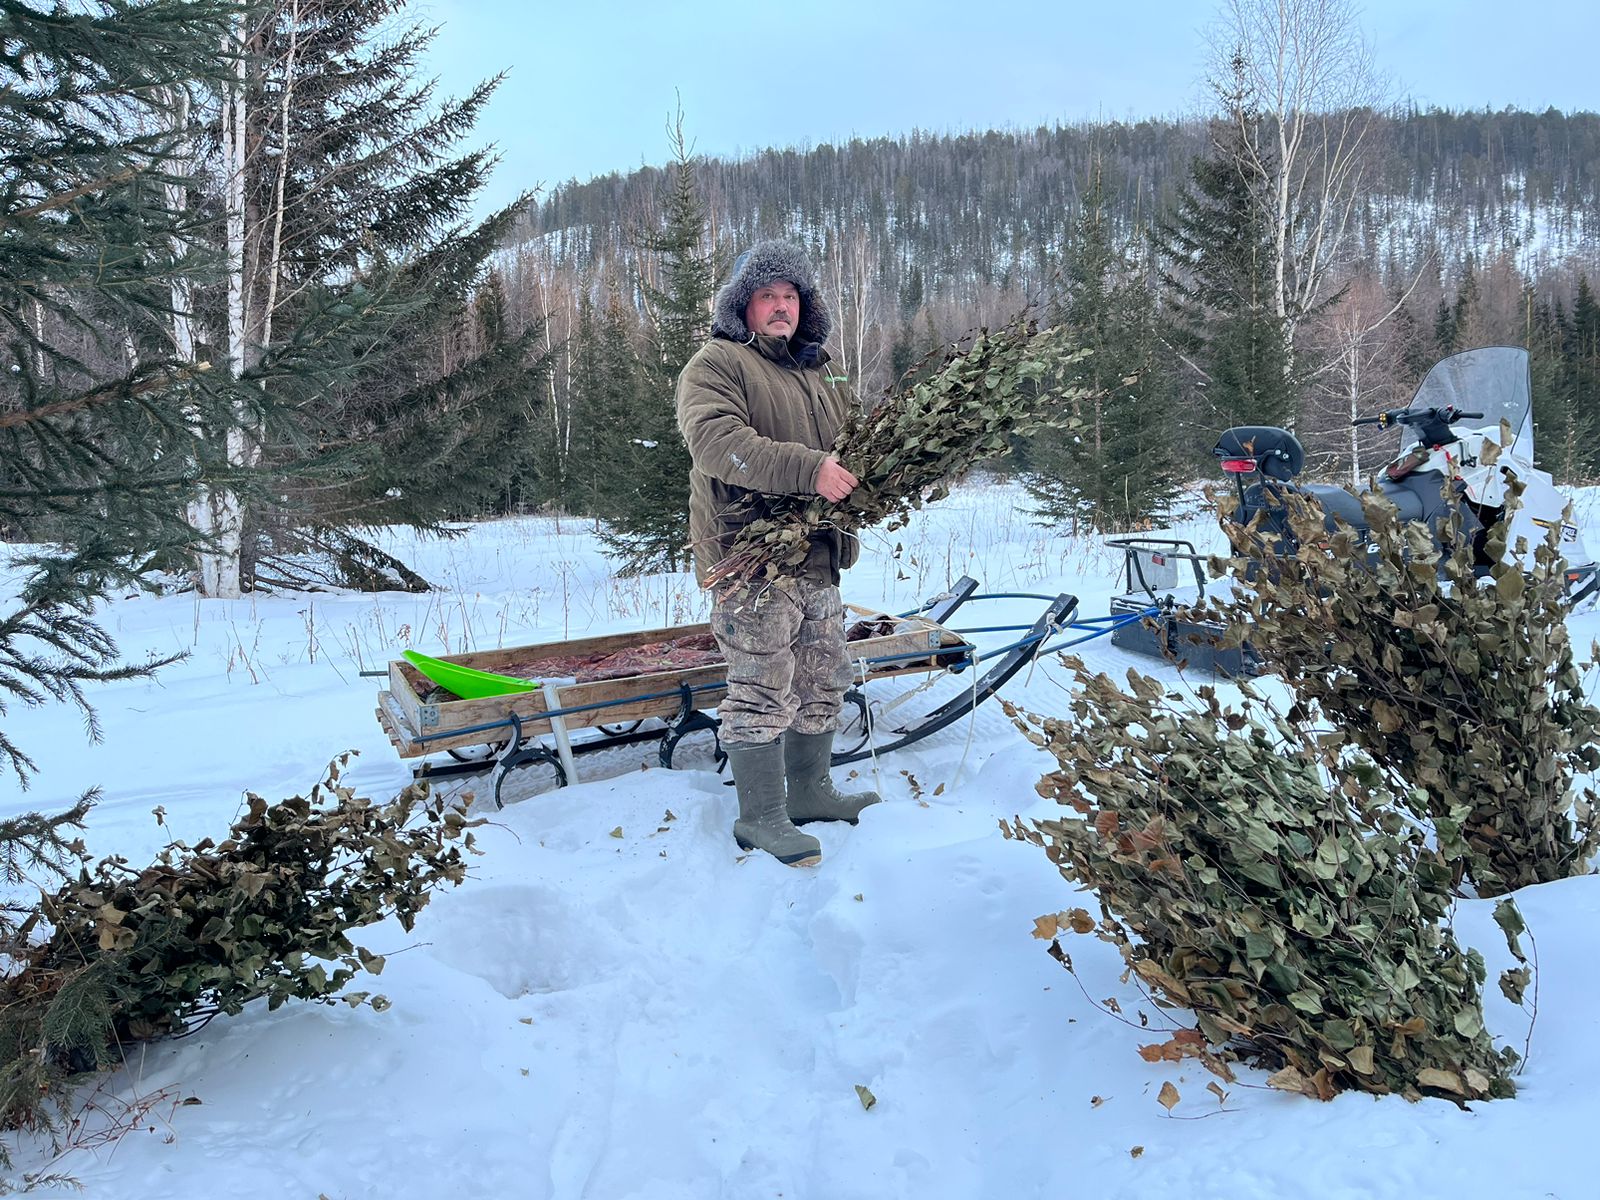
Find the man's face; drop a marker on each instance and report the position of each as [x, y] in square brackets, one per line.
[774, 309]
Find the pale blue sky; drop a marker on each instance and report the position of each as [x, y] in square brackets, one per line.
[592, 83]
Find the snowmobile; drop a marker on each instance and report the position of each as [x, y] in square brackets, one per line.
[1454, 423]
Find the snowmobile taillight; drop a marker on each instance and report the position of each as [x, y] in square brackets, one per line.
[1238, 466]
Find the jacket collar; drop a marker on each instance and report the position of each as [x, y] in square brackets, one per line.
[786, 352]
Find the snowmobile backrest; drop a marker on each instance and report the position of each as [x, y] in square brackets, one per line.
[1277, 452]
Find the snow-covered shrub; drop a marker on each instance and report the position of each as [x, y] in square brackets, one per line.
[1304, 925]
[1461, 688]
[135, 954]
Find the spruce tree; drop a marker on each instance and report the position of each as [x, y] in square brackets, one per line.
[608, 381]
[444, 421]
[1582, 357]
[1415, 351]
[1562, 435]
[1444, 328]
[1116, 468]
[646, 510]
[576, 458]
[1466, 325]
[911, 296]
[97, 410]
[97, 448]
[528, 477]
[356, 199]
[1215, 267]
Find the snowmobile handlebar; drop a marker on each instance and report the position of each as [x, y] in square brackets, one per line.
[1449, 414]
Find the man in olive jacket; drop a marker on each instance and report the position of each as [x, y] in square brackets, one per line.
[759, 411]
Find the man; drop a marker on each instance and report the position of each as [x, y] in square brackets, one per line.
[759, 412]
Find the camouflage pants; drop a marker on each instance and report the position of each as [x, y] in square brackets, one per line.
[787, 666]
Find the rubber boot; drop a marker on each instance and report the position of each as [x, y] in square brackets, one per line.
[763, 823]
[812, 796]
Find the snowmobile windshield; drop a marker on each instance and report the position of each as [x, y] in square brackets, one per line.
[1493, 381]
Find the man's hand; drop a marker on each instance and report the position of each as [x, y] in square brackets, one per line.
[834, 483]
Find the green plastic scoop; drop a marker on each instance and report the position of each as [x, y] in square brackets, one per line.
[467, 682]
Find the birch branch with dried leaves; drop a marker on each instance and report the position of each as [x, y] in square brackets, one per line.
[912, 447]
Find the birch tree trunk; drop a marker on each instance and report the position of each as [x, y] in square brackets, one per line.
[218, 513]
[865, 327]
[41, 364]
[272, 267]
[254, 265]
[1354, 392]
[201, 511]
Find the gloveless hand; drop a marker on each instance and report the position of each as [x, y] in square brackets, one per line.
[834, 483]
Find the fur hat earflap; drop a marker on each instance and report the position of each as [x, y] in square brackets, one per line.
[759, 266]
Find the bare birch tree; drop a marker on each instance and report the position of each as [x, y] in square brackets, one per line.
[1299, 79]
[850, 261]
[542, 291]
[1357, 375]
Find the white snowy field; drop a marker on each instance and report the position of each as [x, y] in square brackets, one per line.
[659, 1016]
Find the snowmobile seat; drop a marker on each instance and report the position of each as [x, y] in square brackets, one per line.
[1277, 452]
[1417, 496]
[1338, 506]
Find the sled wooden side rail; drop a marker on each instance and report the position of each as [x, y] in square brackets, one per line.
[418, 721]
[410, 692]
[452, 725]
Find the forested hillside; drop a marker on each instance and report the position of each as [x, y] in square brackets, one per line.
[974, 210]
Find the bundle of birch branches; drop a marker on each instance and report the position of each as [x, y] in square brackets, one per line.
[909, 450]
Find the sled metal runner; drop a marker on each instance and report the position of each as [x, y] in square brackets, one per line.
[502, 734]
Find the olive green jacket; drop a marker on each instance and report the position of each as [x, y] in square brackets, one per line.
[758, 423]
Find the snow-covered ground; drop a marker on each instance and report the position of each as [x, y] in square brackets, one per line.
[659, 1016]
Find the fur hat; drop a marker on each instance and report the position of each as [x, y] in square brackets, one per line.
[759, 266]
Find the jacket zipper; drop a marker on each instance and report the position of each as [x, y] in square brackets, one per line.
[816, 423]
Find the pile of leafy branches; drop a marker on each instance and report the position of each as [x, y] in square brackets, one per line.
[909, 449]
[1304, 925]
[132, 955]
[1461, 687]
